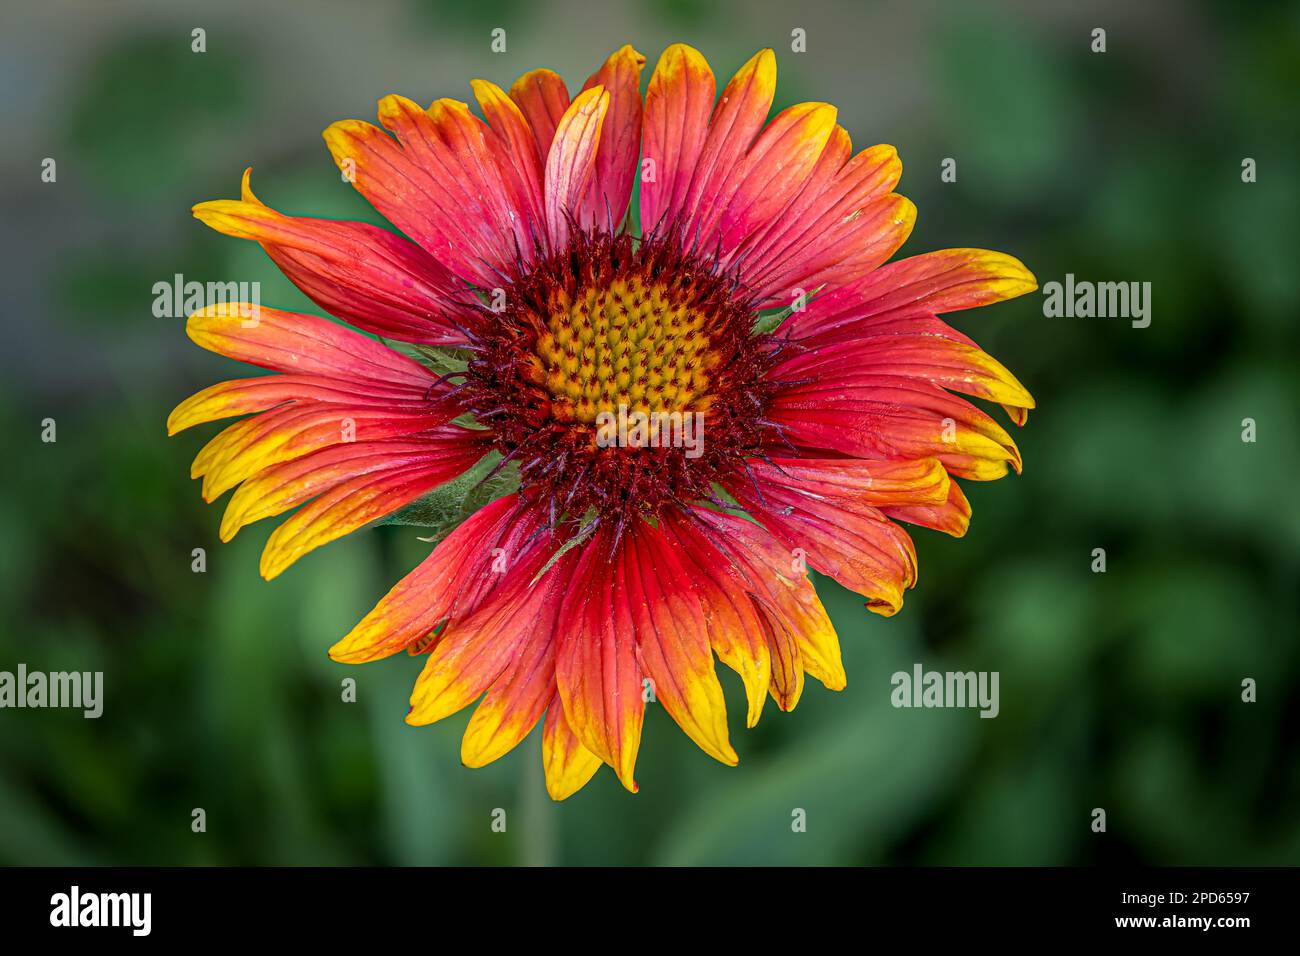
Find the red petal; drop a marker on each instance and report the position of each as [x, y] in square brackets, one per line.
[737, 119]
[620, 139]
[672, 637]
[596, 666]
[366, 276]
[678, 102]
[842, 536]
[461, 573]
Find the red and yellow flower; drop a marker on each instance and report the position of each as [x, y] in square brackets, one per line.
[611, 569]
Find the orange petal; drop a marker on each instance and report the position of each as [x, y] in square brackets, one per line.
[514, 147]
[778, 580]
[302, 344]
[773, 172]
[258, 394]
[787, 665]
[794, 250]
[870, 415]
[941, 361]
[516, 700]
[951, 516]
[733, 621]
[842, 537]
[678, 102]
[478, 649]
[295, 430]
[672, 638]
[447, 452]
[463, 571]
[872, 483]
[568, 764]
[349, 505]
[437, 182]
[919, 287]
[846, 248]
[737, 119]
[543, 99]
[596, 666]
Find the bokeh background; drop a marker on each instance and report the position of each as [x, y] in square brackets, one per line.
[1119, 690]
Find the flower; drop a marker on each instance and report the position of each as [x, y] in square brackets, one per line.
[620, 562]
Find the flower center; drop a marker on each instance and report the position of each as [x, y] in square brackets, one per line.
[631, 344]
[621, 376]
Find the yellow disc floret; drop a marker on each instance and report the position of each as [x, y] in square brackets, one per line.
[624, 344]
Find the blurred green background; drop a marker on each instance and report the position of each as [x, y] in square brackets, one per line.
[1119, 690]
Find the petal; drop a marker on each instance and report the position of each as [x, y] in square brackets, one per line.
[778, 582]
[571, 163]
[354, 502]
[620, 139]
[568, 764]
[438, 183]
[447, 451]
[876, 483]
[843, 537]
[920, 287]
[919, 490]
[789, 251]
[678, 101]
[951, 516]
[479, 649]
[869, 415]
[465, 145]
[754, 249]
[292, 342]
[734, 627]
[672, 637]
[463, 570]
[773, 171]
[243, 395]
[515, 149]
[737, 119]
[366, 276]
[517, 699]
[787, 664]
[543, 99]
[940, 361]
[596, 666]
[849, 245]
[290, 432]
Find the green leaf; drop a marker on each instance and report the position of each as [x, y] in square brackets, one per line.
[451, 503]
[439, 359]
[771, 321]
[442, 359]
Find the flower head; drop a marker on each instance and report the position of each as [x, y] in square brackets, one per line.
[689, 417]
